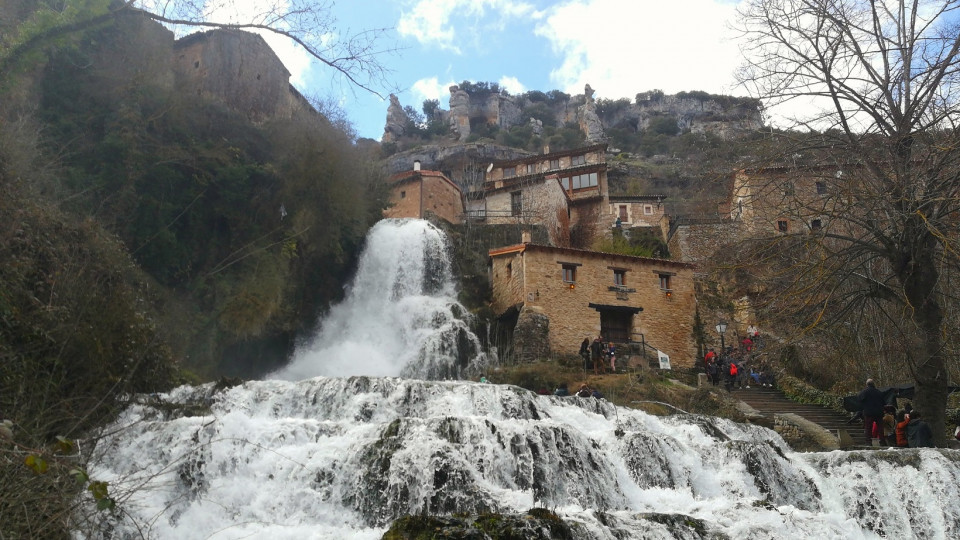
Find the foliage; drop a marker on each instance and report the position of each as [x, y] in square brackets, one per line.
[641, 243]
[481, 89]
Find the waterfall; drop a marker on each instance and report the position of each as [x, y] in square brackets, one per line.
[360, 430]
[334, 457]
[400, 316]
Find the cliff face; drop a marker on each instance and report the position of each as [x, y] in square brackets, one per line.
[698, 112]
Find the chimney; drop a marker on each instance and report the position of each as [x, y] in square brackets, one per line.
[416, 164]
[525, 237]
[546, 149]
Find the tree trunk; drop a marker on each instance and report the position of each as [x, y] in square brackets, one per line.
[919, 277]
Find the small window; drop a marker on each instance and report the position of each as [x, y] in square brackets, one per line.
[647, 210]
[516, 203]
[532, 168]
[509, 172]
[578, 160]
[821, 188]
[782, 225]
[554, 164]
[619, 277]
[816, 225]
[403, 194]
[665, 282]
[788, 188]
[569, 273]
[509, 270]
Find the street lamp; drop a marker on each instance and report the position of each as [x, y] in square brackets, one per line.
[721, 328]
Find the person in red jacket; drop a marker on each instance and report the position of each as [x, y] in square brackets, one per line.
[901, 429]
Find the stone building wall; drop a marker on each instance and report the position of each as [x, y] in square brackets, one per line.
[425, 191]
[404, 200]
[698, 241]
[239, 69]
[542, 203]
[666, 321]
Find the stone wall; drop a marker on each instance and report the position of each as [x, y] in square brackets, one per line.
[423, 192]
[697, 241]
[239, 69]
[666, 320]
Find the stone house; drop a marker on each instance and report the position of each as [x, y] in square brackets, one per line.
[556, 189]
[414, 194]
[783, 200]
[637, 210]
[555, 297]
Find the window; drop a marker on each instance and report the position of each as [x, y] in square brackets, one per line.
[403, 194]
[516, 203]
[554, 164]
[531, 168]
[619, 277]
[580, 181]
[510, 269]
[569, 273]
[821, 188]
[788, 188]
[623, 212]
[509, 172]
[578, 160]
[647, 210]
[665, 282]
[816, 225]
[782, 225]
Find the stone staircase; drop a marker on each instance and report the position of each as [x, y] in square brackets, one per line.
[770, 401]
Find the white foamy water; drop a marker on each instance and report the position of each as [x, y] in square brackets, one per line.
[344, 457]
[400, 316]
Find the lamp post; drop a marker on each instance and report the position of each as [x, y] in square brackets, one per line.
[721, 329]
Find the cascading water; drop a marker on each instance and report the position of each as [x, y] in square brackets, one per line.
[343, 457]
[400, 316]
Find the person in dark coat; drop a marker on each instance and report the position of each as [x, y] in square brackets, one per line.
[596, 348]
[585, 353]
[919, 434]
[872, 402]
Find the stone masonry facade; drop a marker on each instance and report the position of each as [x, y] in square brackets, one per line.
[415, 193]
[574, 287]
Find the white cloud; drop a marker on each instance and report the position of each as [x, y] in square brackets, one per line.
[430, 88]
[436, 21]
[512, 85]
[637, 45]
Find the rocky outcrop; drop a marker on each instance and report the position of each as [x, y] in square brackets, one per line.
[396, 121]
[697, 112]
[587, 118]
[531, 335]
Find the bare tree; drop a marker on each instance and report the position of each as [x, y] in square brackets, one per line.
[355, 56]
[882, 149]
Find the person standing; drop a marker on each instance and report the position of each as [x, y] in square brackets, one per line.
[872, 403]
[585, 353]
[596, 349]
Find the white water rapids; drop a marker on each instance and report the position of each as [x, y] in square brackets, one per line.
[342, 457]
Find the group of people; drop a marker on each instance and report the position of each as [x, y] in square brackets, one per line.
[584, 391]
[737, 367]
[598, 355]
[904, 428]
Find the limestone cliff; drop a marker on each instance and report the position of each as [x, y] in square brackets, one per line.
[697, 112]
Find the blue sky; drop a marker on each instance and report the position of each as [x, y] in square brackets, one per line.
[619, 47]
